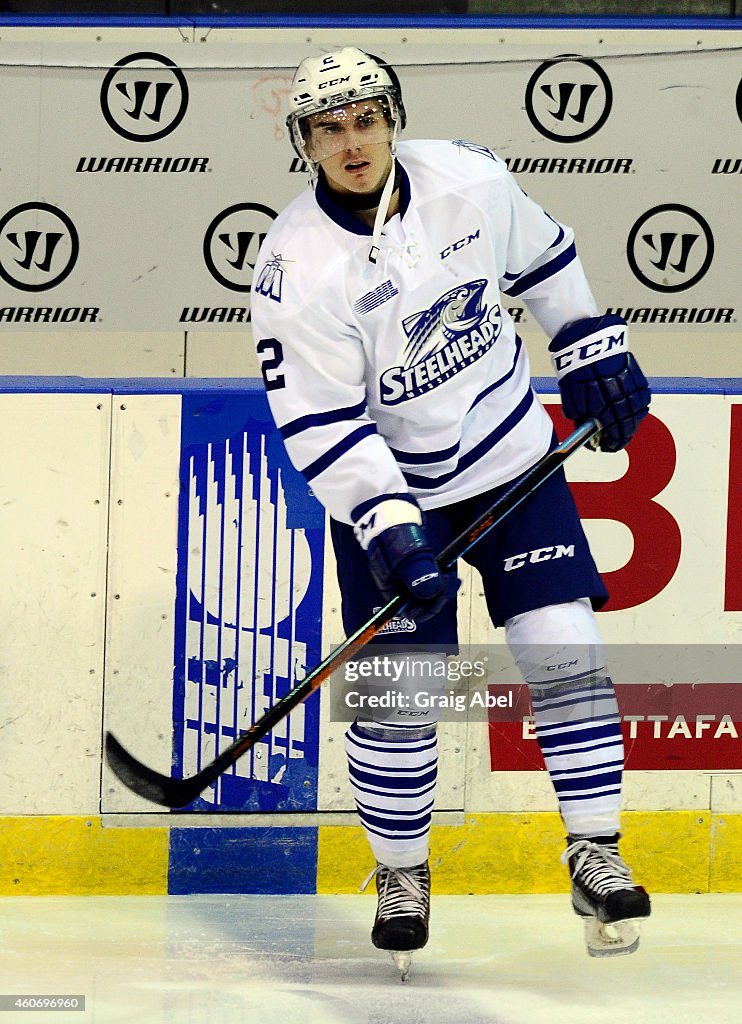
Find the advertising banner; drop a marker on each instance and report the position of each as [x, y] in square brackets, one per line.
[679, 726]
[140, 174]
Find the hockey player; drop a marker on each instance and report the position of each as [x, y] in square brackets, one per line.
[403, 394]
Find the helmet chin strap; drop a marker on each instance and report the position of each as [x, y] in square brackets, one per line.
[382, 210]
[380, 199]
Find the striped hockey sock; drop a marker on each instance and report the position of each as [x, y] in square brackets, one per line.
[579, 731]
[393, 772]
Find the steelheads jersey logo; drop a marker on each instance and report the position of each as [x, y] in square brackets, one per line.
[456, 331]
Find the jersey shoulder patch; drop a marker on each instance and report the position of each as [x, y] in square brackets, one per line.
[296, 256]
[269, 281]
[474, 147]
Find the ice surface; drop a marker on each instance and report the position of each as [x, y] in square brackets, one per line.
[309, 960]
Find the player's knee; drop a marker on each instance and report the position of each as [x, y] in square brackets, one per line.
[401, 690]
[558, 642]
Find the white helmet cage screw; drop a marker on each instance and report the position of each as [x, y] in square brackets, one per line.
[334, 79]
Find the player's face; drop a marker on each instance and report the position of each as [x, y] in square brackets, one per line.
[352, 145]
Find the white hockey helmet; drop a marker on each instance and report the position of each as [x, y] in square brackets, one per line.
[338, 78]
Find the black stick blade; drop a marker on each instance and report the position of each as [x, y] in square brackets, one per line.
[147, 783]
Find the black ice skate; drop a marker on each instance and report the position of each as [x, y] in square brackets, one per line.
[402, 914]
[604, 895]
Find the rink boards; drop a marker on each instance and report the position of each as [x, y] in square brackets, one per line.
[168, 578]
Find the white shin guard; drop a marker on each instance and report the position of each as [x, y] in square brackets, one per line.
[560, 654]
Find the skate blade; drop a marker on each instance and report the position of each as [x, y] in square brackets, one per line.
[402, 961]
[616, 938]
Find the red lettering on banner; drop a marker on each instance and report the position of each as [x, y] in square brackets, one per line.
[630, 500]
[733, 579]
[685, 726]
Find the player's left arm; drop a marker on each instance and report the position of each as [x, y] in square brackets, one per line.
[598, 377]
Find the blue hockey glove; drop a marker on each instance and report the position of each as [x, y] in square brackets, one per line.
[599, 378]
[401, 559]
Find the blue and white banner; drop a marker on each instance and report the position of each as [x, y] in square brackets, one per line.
[249, 605]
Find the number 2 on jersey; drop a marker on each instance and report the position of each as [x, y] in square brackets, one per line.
[273, 381]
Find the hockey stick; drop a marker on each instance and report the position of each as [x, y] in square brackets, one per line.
[173, 792]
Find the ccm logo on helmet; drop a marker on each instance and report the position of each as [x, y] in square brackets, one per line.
[539, 555]
[334, 81]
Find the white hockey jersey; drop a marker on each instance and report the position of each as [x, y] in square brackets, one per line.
[407, 375]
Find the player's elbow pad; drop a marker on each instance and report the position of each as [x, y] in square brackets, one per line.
[600, 379]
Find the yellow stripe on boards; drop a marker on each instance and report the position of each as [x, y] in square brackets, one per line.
[726, 853]
[75, 856]
[668, 851]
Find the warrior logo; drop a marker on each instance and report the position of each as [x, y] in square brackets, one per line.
[39, 246]
[144, 97]
[670, 248]
[456, 331]
[568, 99]
[232, 242]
